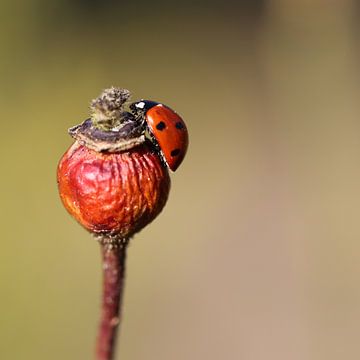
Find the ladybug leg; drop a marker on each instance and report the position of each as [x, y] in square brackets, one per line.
[155, 146]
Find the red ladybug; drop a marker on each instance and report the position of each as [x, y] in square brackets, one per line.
[166, 127]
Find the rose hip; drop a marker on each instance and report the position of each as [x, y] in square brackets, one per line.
[113, 193]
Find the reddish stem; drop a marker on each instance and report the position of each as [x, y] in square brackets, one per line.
[113, 256]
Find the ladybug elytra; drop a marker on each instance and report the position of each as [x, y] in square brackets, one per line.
[166, 127]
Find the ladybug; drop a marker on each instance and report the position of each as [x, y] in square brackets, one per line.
[166, 128]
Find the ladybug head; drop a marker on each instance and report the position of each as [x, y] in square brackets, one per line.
[142, 106]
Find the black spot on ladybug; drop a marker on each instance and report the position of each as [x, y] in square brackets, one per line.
[179, 125]
[161, 126]
[175, 152]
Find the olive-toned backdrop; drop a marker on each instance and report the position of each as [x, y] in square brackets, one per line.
[257, 253]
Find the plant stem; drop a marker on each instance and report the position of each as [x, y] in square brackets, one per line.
[113, 260]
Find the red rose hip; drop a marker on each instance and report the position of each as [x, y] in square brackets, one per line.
[113, 193]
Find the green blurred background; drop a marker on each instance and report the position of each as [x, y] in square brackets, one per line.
[256, 255]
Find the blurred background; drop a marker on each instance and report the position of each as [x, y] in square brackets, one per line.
[257, 253]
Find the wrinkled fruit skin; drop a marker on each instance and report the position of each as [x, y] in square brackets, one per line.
[113, 193]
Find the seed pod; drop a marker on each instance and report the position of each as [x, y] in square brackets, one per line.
[112, 181]
[113, 193]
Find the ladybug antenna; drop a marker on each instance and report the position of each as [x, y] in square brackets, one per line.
[107, 109]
